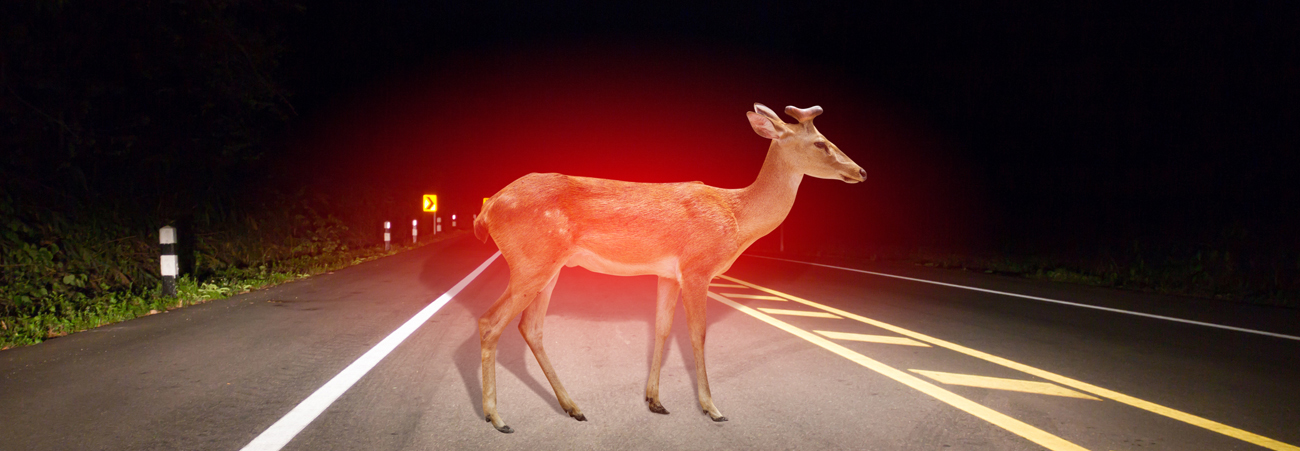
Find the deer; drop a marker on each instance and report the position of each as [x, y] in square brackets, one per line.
[685, 233]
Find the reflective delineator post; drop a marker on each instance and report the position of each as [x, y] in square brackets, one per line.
[415, 231]
[453, 221]
[388, 235]
[439, 228]
[168, 263]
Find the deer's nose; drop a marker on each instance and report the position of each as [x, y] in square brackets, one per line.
[863, 173]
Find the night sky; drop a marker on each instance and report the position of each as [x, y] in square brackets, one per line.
[1062, 127]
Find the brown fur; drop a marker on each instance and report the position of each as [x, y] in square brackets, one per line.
[684, 233]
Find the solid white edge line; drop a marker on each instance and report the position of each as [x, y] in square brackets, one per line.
[288, 427]
[1036, 298]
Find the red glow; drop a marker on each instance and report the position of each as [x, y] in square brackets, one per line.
[468, 128]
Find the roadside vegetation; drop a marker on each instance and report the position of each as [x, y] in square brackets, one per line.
[1232, 268]
[64, 274]
[1216, 272]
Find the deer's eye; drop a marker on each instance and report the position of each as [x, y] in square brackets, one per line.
[822, 145]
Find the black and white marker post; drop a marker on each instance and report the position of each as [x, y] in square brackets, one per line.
[388, 235]
[167, 245]
[415, 231]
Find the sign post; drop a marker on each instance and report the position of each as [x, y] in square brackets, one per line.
[431, 206]
[168, 262]
[388, 235]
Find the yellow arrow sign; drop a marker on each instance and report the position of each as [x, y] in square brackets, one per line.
[430, 202]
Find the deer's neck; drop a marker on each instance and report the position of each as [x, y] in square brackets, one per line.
[765, 203]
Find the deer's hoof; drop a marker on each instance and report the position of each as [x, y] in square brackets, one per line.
[717, 419]
[503, 428]
[656, 407]
[577, 415]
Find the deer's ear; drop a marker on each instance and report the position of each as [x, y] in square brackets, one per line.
[763, 125]
[764, 110]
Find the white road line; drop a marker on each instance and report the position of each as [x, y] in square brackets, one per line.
[280, 433]
[1036, 298]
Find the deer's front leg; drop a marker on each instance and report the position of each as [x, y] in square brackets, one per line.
[666, 302]
[530, 326]
[694, 295]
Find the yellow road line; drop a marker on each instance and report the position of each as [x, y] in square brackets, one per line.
[727, 285]
[870, 338]
[761, 297]
[1185, 417]
[777, 311]
[998, 383]
[999, 419]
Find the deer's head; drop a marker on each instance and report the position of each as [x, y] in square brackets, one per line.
[802, 146]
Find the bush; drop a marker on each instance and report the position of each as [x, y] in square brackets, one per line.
[61, 276]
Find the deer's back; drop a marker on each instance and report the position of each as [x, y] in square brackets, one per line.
[624, 222]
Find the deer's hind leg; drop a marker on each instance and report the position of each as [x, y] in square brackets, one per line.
[530, 326]
[526, 284]
[665, 303]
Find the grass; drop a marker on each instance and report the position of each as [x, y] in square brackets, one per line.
[1232, 270]
[67, 317]
[1205, 273]
[74, 267]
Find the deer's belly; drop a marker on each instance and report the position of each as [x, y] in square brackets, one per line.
[666, 267]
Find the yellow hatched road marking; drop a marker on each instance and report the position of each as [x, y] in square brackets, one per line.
[761, 297]
[1068, 382]
[870, 338]
[727, 285]
[777, 311]
[998, 383]
[999, 419]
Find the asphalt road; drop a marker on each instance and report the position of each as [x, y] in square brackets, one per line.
[883, 363]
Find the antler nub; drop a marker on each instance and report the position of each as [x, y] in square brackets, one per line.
[803, 114]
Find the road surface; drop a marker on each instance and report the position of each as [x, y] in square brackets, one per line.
[799, 357]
